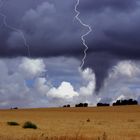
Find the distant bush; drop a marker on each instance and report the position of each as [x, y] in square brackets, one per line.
[12, 123]
[29, 124]
[14, 108]
[88, 120]
[130, 120]
[85, 104]
[125, 102]
[82, 105]
[103, 104]
[66, 105]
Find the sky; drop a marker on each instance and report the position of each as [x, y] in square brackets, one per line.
[41, 52]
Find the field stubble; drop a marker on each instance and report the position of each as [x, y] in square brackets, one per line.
[103, 123]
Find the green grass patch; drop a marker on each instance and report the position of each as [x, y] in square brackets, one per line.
[12, 123]
[29, 124]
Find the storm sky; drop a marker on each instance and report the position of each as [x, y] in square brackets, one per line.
[51, 75]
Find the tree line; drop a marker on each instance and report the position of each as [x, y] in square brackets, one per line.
[117, 103]
[78, 105]
[120, 102]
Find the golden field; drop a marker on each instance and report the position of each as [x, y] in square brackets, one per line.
[104, 123]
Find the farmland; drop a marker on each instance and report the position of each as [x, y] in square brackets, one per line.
[95, 123]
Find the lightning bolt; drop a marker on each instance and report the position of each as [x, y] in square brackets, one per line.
[83, 36]
[15, 29]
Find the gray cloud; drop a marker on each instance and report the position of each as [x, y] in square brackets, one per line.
[25, 85]
[101, 5]
[122, 82]
[50, 30]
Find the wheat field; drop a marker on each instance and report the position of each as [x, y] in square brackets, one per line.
[93, 123]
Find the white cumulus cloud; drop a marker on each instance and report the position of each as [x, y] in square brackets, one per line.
[64, 91]
[123, 82]
[89, 79]
[32, 67]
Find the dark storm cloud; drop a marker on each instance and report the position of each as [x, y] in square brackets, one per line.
[101, 5]
[48, 27]
[50, 30]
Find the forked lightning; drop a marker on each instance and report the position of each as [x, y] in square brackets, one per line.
[15, 29]
[83, 36]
